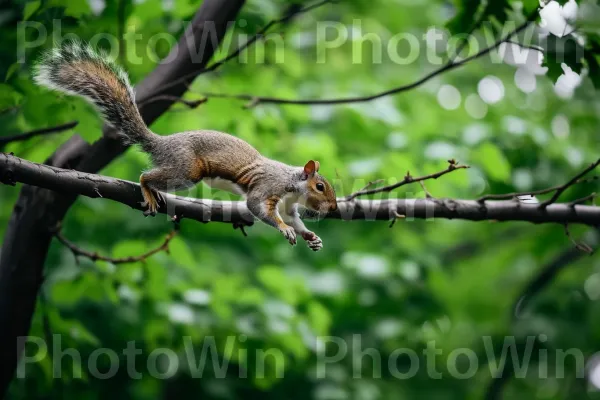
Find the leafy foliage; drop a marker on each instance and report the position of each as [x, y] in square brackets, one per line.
[450, 282]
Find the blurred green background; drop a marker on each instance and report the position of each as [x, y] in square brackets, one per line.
[450, 283]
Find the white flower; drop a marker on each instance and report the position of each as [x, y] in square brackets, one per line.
[556, 18]
[567, 83]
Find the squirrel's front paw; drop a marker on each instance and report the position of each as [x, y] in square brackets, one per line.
[289, 233]
[313, 241]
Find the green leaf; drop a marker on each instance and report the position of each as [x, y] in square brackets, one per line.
[129, 248]
[11, 70]
[530, 5]
[562, 50]
[469, 12]
[278, 283]
[465, 16]
[31, 8]
[75, 9]
[320, 318]
[9, 97]
[493, 162]
[181, 253]
[593, 65]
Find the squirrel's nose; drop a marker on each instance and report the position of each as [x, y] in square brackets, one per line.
[334, 207]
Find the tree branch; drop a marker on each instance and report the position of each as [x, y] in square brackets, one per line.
[452, 64]
[38, 132]
[14, 169]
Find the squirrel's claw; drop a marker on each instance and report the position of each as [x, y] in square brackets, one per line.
[313, 241]
[316, 244]
[289, 233]
[151, 207]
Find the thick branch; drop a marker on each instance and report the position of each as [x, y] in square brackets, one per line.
[14, 169]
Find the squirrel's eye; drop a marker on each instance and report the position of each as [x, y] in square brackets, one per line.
[320, 187]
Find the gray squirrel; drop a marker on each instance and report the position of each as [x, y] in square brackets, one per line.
[272, 189]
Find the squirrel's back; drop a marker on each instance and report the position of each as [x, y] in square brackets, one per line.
[77, 69]
[222, 155]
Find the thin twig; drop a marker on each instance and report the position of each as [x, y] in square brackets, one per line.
[526, 46]
[241, 226]
[427, 194]
[396, 218]
[372, 183]
[583, 200]
[578, 245]
[94, 256]
[188, 103]
[567, 185]
[452, 166]
[38, 132]
[259, 35]
[8, 109]
[509, 196]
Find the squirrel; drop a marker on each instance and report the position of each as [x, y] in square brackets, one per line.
[272, 190]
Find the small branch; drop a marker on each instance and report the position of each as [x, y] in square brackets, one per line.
[38, 132]
[526, 46]
[452, 166]
[396, 218]
[557, 189]
[427, 194]
[217, 64]
[305, 102]
[188, 103]
[567, 185]
[241, 226]
[514, 195]
[9, 109]
[94, 256]
[549, 272]
[582, 246]
[583, 200]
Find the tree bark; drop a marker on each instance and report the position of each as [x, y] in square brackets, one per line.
[38, 210]
[71, 182]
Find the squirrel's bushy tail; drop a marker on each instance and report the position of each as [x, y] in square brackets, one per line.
[75, 68]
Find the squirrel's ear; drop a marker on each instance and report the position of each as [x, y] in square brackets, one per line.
[311, 167]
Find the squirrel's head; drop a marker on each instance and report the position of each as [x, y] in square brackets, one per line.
[320, 195]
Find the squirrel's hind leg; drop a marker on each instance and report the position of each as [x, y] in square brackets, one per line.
[164, 180]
